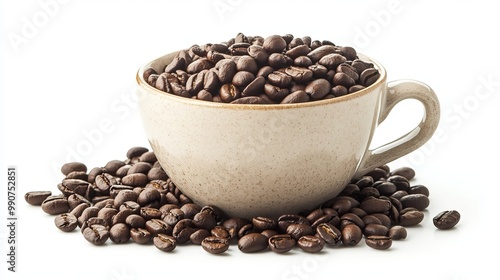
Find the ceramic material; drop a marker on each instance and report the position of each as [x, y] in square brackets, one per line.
[268, 160]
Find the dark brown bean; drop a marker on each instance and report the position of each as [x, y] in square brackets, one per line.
[378, 242]
[36, 197]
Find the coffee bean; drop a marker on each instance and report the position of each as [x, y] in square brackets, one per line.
[279, 79]
[406, 172]
[274, 44]
[250, 100]
[157, 226]
[66, 222]
[112, 166]
[183, 230]
[418, 201]
[263, 223]
[247, 63]
[386, 188]
[419, 189]
[135, 221]
[107, 214]
[311, 243]
[351, 235]
[329, 233]
[119, 233]
[204, 220]
[318, 88]
[164, 242]
[73, 166]
[135, 180]
[229, 93]
[296, 231]
[298, 51]
[198, 236]
[252, 242]
[36, 197]
[96, 234]
[140, 235]
[446, 219]
[149, 213]
[243, 78]
[332, 61]
[255, 87]
[147, 196]
[281, 243]
[215, 245]
[375, 229]
[278, 61]
[375, 205]
[157, 174]
[275, 92]
[410, 217]
[299, 74]
[131, 206]
[401, 182]
[173, 216]
[316, 54]
[54, 205]
[87, 214]
[233, 225]
[397, 233]
[285, 220]
[378, 242]
[123, 196]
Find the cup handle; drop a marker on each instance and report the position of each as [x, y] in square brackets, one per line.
[396, 92]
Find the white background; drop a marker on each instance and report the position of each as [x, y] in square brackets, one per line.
[67, 93]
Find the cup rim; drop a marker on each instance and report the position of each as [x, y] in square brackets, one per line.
[189, 101]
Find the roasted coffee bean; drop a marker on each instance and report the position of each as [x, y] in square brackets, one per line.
[332, 61]
[281, 243]
[397, 233]
[278, 61]
[302, 61]
[274, 44]
[279, 79]
[123, 196]
[135, 180]
[401, 182]
[204, 220]
[316, 54]
[78, 210]
[258, 53]
[183, 230]
[285, 220]
[327, 218]
[375, 229]
[243, 78]
[157, 226]
[107, 214]
[386, 188]
[269, 232]
[419, 189]
[410, 217]
[299, 74]
[215, 245]
[157, 174]
[252, 242]
[399, 194]
[418, 201]
[378, 242]
[54, 205]
[94, 172]
[165, 243]
[73, 166]
[135, 221]
[66, 222]
[190, 209]
[446, 219]
[350, 218]
[96, 234]
[369, 76]
[36, 197]
[123, 171]
[250, 100]
[311, 243]
[275, 92]
[246, 229]
[131, 206]
[104, 182]
[87, 214]
[173, 216]
[406, 172]
[140, 167]
[263, 223]
[329, 233]
[112, 166]
[247, 63]
[351, 235]
[149, 213]
[81, 175]
[296, 231]
[318, 88]
[148, 196]
[375, 205]
[119, 233]
[255, 87]
[298, 51]
[140, 235]
[198, 236]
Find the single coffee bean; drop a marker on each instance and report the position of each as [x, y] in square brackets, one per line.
[255, 87]
[96, 234]
[247, 63]
[87, 214]
[275, 92]
[123, 196]
[332, 219]
[107, 214]
[446, 219]
[36, 197]
[135, 221]
[279, 60]
[299, 74]
[198, 236]
[246, 229]
[375, 229]
[131, 206]
[419, 189]
[285, 220]
[274, 44]
[140, 235]
[279, 79]
[418, 201]
[78, 210]
[81, 175]
[204, 220]
[112, 166]
[318, 88]
[250, 100]
[263, 223]
[311, 243]
[54, 205]
[229, 93]
[173, 216]
[375, 205]
[165, 243]
[215, 245]
[298, 51]
[252, 242]
[329, 233]
[296, 231]
[135, 180]
[73, 166]
[281, 243]
[319, 52]
[397, 233]
[243, 78]
[74, 186]
[259, 54]
[302, 61]
[401, 182]
[378, 242]
[157, 174]
[190, 209]
[66, 222]
[119, 233]
[406, 172]
[148, 196]
[269, 232]
[183, 230]
[350, 218]
[331, 61]
[149, 213]
[386, 188]
[410, 217]
[157, 226]
[351, 235]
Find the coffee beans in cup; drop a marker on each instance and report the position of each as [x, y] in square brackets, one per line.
[377, 207]
[257, 70]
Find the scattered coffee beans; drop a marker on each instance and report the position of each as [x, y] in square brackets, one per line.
[125, 202]
[257, 70]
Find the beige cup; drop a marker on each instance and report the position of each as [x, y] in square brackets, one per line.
[268, 160]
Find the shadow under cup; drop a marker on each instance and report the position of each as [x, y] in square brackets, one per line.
[262, 160]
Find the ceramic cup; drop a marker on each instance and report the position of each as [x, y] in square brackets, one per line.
[268, 160]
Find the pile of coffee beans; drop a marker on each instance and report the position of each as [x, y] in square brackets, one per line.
[134, 200]
[257, 70]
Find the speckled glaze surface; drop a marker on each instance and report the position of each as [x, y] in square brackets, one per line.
[268, 160]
